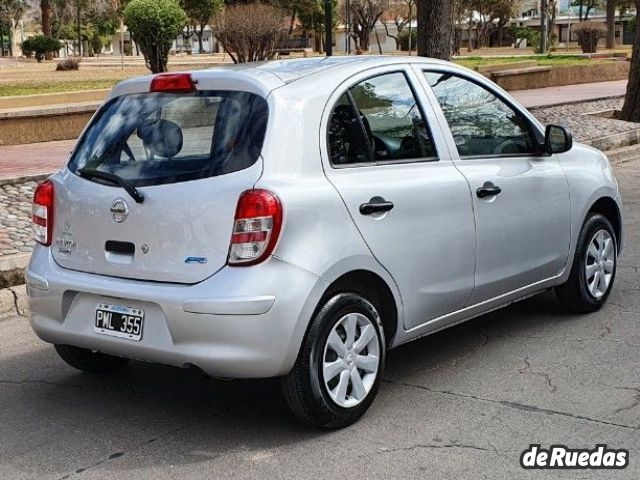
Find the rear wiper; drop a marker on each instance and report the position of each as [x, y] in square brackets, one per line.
[113, 178]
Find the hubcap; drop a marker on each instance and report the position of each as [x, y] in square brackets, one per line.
[600, 263]
[351, 360]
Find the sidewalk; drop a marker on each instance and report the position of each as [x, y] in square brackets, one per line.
[546, 97]
[33, 159]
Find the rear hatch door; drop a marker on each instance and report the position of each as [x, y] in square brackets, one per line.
[190, 155]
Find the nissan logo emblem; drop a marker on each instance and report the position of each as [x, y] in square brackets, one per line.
[120, 210]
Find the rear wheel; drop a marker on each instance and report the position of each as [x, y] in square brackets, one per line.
[89, 361]
[594, 267]
[340, 364]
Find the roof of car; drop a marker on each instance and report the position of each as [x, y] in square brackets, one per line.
[291, 70]
[263, 77]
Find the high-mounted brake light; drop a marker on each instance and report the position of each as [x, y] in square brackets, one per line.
[173, 83]
[42, 213]
[256, 227]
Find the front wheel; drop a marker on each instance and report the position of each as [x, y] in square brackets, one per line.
[594, 267]
[340, 364]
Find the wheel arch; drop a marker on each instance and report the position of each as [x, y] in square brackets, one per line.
[608, 207]
[375, 289]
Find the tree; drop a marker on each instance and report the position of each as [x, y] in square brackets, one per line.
[611, 23]
[199, 13]
[312, 18]
[250, 33]
[11, 11]
[41, 45]
[153, 25]
[585, 7]
[400, 13]
[589, 33]
[45, 12]
[631, 109]
[364, 15]
[435, 28]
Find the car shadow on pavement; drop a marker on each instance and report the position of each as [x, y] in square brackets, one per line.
[145, 405]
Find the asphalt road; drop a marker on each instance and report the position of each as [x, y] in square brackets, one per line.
[460, 404]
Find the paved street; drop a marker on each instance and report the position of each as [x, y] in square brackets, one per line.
[460, 404]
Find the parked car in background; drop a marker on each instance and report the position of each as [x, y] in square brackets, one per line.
[300, 218]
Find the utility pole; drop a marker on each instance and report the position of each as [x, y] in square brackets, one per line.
[348, 27]
[328, 27]
[79, 28]
[543, 26]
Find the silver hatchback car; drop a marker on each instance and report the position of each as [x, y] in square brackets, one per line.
[298, 219]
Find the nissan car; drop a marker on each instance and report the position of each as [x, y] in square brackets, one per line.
[300, 218]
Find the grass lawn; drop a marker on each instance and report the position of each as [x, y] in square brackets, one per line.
[32, 78]
[34, 88]
[550, 60]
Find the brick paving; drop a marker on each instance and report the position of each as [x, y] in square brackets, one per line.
[602, 133]
[43, 158]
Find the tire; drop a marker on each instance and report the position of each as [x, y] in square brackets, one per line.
[309, 397]
[577, 294]
[89, 361]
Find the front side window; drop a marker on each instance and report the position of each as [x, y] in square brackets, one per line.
[156, 138]
[480, 122]
[379, 120]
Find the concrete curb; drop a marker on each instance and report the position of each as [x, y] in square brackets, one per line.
[13, 302]
[573, 102]
[12, 269]
[26, 178]
[622, 155]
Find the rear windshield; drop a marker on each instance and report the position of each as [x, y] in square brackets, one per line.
[156, 138]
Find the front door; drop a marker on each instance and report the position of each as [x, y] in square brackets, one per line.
[520, 197]
[411, 205]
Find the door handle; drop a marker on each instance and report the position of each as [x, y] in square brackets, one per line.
[488, 190]
[376, 205]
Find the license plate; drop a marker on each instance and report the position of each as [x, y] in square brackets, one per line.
[119, 321]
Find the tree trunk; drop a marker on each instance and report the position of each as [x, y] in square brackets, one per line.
[45, 11]
[631, 109]
[435, 28]
[611, 24]
[200, 34]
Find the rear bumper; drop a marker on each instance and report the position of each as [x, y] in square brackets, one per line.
[244, 322]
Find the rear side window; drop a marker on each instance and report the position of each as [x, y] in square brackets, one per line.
[158, 138]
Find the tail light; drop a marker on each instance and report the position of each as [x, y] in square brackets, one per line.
[42, 213]
[256, 227]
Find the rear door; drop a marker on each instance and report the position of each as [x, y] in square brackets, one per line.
[410, 203]
[520, 196]
[189, 154]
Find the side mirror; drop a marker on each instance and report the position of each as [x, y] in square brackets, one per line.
[557, 139]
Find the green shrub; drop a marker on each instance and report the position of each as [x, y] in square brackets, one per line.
[71, 63]
[154, 24]
[403, 39]
[27, 49]
[41, 45]
[589, 33]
